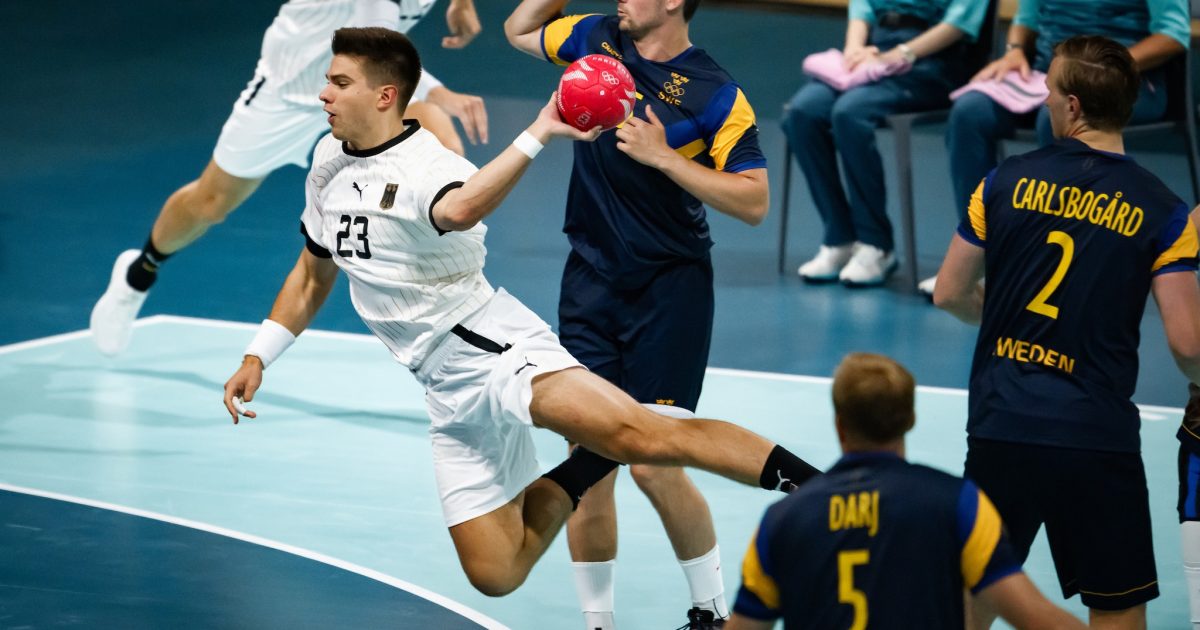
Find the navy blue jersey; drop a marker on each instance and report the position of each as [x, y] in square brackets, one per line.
[878, 543]
[1073, 239]
[624, 218]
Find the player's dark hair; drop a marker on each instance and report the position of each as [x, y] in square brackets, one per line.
[689, 9]
[1102, 75]
[873, 397]
[387, 57]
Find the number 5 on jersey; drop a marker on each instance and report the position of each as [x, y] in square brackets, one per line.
[847, 594]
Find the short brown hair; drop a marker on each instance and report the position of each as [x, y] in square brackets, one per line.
[689, 9]
[1102, 75]
[873, 397]
[387, 57]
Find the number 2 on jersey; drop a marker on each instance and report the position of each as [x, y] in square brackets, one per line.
[1039, 305]
[847, 594]
[361, 235]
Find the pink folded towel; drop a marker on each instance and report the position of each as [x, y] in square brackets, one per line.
[1013, 93]
[829, 68]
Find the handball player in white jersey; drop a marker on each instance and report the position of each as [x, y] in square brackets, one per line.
[400, 214]
[275, 122]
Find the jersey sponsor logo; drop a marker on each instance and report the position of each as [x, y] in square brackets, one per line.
[1069, 202]
[360, 190]
[1028, 352]
[665, 401]
[854, 510]
[610, 50]
[389, 197]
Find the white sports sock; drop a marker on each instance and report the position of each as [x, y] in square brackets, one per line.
[704, 579]
[594, 585]
[1190, 532]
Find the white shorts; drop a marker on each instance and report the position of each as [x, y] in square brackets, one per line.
[478, 403]
[266, 132]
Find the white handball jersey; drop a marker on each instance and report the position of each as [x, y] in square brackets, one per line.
[370, 210]
[295, 49]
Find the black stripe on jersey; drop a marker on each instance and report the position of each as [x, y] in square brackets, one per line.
[412, 125]
[312, 246]
[254, 92]
[438, 197]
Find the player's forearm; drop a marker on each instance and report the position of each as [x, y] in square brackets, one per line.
[744, 196]
[463, 208]
[1154, 50]
[530, 15]
[303, 292]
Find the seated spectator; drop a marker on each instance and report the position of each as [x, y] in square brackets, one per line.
[928, 38]
[1152, 30]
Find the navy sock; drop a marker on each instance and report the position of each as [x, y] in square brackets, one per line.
[144, 271]
[580, 471]
[784, 471]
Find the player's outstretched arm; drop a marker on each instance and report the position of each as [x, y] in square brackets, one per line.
[298, 301]
[464, 207]
[744, 196]
[524, 27]
[1019, 603]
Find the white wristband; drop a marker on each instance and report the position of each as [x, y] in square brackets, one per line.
[527, 144]
[270, 342]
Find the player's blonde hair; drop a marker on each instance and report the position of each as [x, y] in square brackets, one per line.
[1102, 75]
[873, 397]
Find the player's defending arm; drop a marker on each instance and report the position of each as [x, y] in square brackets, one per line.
[743, 195]
[298, 301]
[463, 22]
[1178, 299]
[1018, 602]
[958, 291]
[524, 27]
[462, 208]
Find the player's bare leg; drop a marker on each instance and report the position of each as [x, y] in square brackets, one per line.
[187, 214]
[497, 550]
[588, 410]
[436, 121]
[1128, 619]
[199, 205]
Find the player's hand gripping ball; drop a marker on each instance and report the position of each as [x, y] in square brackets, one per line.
[596, 90]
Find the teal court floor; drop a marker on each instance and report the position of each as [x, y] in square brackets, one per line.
[336, 471]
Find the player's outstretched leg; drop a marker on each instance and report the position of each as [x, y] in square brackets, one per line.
[187, 214]
[590, 411]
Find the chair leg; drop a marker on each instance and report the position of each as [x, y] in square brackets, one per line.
[1189, 139]
[902, 132]
[783, 207]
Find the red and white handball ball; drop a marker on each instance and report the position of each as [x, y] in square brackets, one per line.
[596, 90]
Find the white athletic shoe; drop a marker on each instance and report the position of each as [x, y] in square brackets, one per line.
[926, 286]
[824, 267]
[868, 267]
[113, 315]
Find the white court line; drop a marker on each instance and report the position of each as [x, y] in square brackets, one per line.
[1149, 412]
[444, 602]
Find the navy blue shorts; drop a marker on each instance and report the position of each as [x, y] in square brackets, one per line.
[653, 341]
[1096, 509]
[1189, 481]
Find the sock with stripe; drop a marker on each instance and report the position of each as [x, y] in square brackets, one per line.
[144, 271]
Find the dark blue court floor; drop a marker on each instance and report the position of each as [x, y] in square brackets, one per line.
[67, 565]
